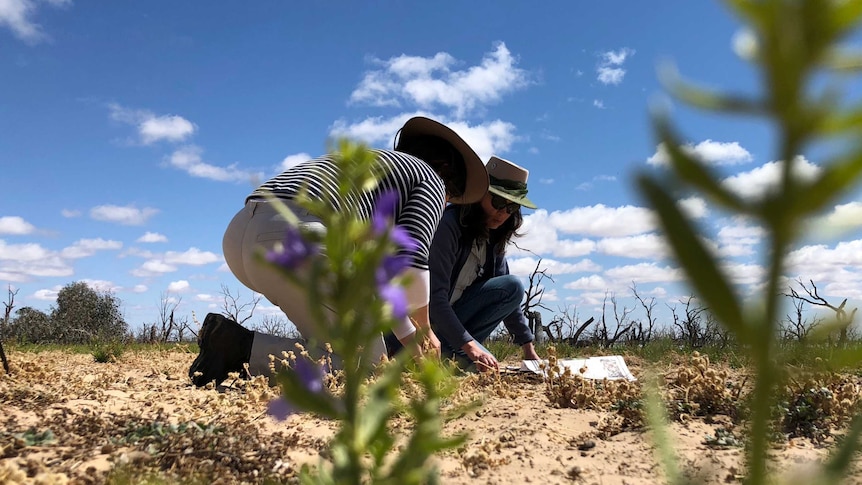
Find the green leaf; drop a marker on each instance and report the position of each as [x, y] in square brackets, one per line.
[837, 178]
[698, 263]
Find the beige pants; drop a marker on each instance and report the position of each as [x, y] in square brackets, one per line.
[255, 229]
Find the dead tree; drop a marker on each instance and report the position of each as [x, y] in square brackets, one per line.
[690, 324]
[564, 327]
[235, 309]
[797, 327]
[533, 298]
[621, 319]
[642, 333]
[841, 317]
[9, 304]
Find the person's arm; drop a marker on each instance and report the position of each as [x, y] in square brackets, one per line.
[442, 261]
[516, 322]
[419, 215]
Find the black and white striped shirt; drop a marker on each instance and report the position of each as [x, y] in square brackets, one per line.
[421, 193]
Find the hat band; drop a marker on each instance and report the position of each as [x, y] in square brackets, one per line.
[511, 187]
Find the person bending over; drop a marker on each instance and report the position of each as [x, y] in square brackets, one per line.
[429, 165]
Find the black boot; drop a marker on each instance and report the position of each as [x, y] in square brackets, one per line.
[224, 347]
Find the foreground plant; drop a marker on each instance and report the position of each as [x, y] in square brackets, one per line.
[358, 276]
[795, 45]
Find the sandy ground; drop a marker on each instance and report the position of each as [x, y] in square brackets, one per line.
[69, 419]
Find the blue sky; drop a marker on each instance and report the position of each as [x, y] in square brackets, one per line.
[130, 133]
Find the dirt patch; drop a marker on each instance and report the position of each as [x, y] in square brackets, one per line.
[67, 419]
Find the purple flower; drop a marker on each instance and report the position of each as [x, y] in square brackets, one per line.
[310, 375]
[403, 239]
[294, 250]
[384, 211]
[394, 295]
[391, 266]
[279, 408]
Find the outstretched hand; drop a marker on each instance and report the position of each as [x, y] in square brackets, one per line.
[484, 361]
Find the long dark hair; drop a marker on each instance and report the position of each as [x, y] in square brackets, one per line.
[474, 226]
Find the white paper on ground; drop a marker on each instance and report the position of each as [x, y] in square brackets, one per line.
[611, 367]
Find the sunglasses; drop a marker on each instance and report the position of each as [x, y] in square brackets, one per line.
[500, 203]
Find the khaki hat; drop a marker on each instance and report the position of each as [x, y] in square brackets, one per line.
[476, 183]
[509, 181]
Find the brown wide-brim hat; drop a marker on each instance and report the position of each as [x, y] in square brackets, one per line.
[476, 180]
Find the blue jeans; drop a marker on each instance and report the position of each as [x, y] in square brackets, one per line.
[480, 309]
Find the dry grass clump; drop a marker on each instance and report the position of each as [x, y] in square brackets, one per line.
[483, 456]
[567, 389]
[812, 403]
[698, 388]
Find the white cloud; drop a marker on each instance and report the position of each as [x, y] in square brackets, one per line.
[178, 286]
[70, 213]
[15, 225]
[22, 262]
[610, 75]
[526, 265]
[598, 103]
[193, 256]
[140, 288]
[642, 246]
[293, 160]
[125, 215]
[592, 282]
[153, 268]
[429, 82]
[88, 247]
[609, 70]
[188, 159]
[540, 237]
[152, 128]
[102, 286]
[170, 128]
[16, 15]
[47, 294]
[644, 273]
[707, 151]
[602, 221]
[765, 179]
[152, 237]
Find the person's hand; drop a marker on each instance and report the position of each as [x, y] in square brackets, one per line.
[431, 345]
[483, 360]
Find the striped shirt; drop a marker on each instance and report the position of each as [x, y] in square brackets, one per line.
[421, 194]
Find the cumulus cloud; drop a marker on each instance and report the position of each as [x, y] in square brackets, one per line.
[293, 160]
[22, 262]
[15, 225]
[189, 159]
[609, 70]
[153, 268]
[70, 213]
[152, 237]
[178, 286]
[193, 257]
[125, 215]
[431, 82]
[765, 179]
[524, 266]
[603, 221]
[88, 247]
[151, 127]
[642, 246]
[708, 151]
[17, 16]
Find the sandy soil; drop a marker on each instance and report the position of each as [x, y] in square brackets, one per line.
[69, 419]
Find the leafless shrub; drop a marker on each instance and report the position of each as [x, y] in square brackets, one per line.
[235, 308]
[622, 324]
[842, 318]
